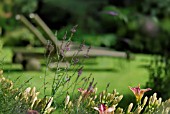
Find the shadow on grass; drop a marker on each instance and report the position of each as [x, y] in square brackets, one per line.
[127, 99]
[13, 70]
[143, 66]
[85, 69]
[101, 69]
[95, 70]
[87, 63]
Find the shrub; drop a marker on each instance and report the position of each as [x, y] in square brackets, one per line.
[159, 78]
[19, 37]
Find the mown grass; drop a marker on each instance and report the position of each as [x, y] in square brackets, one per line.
[119, 72]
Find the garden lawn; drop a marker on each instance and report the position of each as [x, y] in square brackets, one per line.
[119, 72]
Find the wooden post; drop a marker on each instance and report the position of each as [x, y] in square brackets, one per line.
[46, 29]
[33, 29]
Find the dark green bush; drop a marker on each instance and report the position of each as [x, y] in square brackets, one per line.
[159, 79]
[19, 37]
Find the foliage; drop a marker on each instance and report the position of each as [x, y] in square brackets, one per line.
[10, 8]
[5, 8]
[18, 6]
[160, 76]
[29, 96]
[14, 100]
[108, 40]
[147, 28]
[20, 37]
[107, 103]
[83, 13]
[63, 81]
[5, 15]
[156, 7]
[8, 94]
[1, 45]
[24, 6]
[88, 101]
[101, 40]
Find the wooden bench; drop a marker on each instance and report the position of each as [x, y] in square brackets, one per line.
[26, 55]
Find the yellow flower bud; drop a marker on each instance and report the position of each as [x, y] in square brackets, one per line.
[70, 104]
[144, 101]
[1, 72]
[159, 101]
[49, 102]
[79, 101]
[130, 107]
[67, 100]
[138, 110]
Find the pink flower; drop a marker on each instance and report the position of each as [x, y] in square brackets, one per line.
[139, 92]
[103, 109]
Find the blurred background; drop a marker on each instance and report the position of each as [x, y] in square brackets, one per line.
[140, 27]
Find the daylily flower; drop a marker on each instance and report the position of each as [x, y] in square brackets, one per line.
[103, 109]
[139, 92]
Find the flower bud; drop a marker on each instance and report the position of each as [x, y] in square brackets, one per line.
[138, 110]
[153, 99]
[1, 72]
[159, 101]
[70, 104]
[130, 107]
[118, 99]
[119, 111]
[167, 110]
[50, 110]
[67, 100]
[144, 101]
[49, 102]
[79, 101]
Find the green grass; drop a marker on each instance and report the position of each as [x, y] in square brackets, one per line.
[120, 73]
